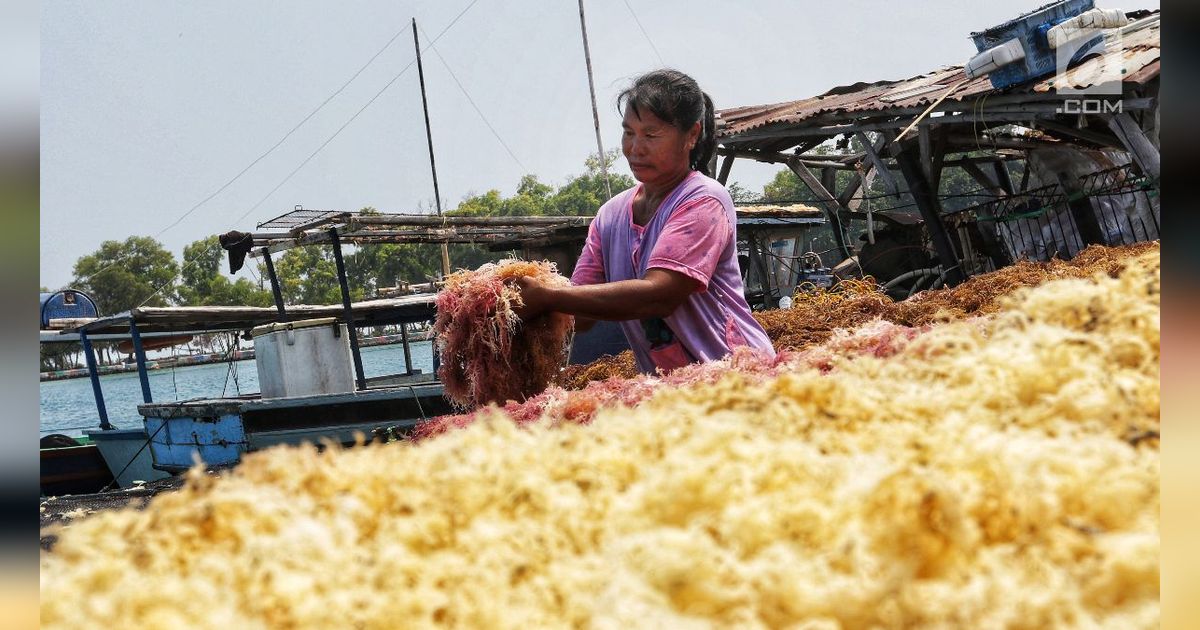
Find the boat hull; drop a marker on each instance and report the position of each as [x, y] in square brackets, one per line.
[73, 470]
[218, 431]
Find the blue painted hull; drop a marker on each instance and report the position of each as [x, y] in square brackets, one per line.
[218, 431]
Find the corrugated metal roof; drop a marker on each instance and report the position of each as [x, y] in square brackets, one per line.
[1138, 54]
[777, 210]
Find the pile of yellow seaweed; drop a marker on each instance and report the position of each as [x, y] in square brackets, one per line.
[995, 471]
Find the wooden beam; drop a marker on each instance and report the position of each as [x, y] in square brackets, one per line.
[925, 146]
[881, 167]
[1003, 177]
[774, 157]
[1087, 135]
[984, 180]
[866, 177]
[927, 203]
[830, 207]
[939, 158]
[425, 219]
[854, 185]
[978, 159]
[1003, 108]
[972, 142]
[726, 165]
[1144, 153]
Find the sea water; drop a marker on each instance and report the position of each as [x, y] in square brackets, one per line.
[69, 406]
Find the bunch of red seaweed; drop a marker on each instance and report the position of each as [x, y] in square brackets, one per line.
[879, 339]
[487, 353]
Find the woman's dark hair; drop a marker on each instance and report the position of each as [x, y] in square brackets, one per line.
[675, 98]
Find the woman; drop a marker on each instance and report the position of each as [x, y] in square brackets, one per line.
[661, 257]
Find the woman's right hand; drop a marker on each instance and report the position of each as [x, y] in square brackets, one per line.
[535, 298]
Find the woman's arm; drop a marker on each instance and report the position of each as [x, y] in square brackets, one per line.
[584, 324]
[656, 295]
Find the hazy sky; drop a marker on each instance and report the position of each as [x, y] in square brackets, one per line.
[148, 107]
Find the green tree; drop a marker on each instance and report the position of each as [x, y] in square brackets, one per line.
[583, 194]
[308, 275]
[59, 356]
[370, 268]
[373, 267]
[486, 205]
[124, 275]
[202, 283]
[740, 194]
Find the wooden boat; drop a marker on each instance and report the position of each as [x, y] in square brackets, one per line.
[220, 430]
[72, 466]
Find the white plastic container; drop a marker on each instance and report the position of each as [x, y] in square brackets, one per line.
[303, 358]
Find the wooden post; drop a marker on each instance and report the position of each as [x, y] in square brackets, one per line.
[925, 145]
[1144, 153]
[864, 183]
[275, 289]
[347, 309]
[984, 180]
[408, 369]
[437, 197]
[89, 355]
[139, 355]
[927, 202]
[937, 159]
[726, 165]
[1081, 210]
[1003, 177]
[757, 259]
[985, 226]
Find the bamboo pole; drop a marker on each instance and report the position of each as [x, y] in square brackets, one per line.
[437, 197]
[587, 58]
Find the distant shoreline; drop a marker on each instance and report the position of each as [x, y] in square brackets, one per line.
[206, 358]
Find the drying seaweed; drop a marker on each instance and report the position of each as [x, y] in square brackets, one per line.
[621, 365]
[816, 316]
[997, 471]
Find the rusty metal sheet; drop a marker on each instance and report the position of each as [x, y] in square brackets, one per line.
[1139, 56]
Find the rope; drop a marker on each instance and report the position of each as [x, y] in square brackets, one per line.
[472, 102]
[645, 34]
[331, 138]
[264, 154]
[134, 458]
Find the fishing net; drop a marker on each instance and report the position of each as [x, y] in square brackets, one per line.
[1000, 470]
[487, 354]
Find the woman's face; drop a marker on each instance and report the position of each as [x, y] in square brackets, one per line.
[656, 150]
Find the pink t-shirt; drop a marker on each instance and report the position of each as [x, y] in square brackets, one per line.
[693, 233]
[691, 244]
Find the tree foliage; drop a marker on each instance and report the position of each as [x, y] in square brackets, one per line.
[202, 283]
[123, 275]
